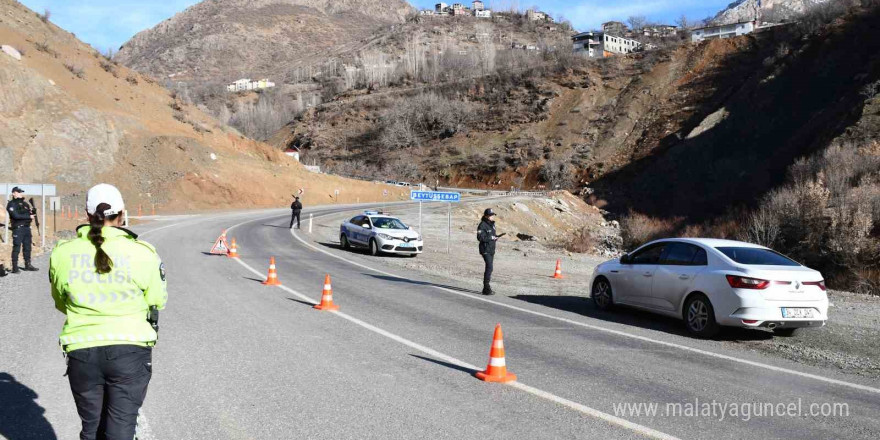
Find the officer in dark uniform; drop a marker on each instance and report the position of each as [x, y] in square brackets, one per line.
[20, 215]
[487, 237]
[296, 208]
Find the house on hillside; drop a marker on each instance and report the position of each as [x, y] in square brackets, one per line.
[723, 31]
[614, 45]
[293, 152]
[534, 15]
[458, 9]
[614, 27]
[426, 12]
[485, 13]
[441, 9]
[479, 5]
[660, 31]
[246, 84]
[590, 44]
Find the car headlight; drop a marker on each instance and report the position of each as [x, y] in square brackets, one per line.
[385, 236]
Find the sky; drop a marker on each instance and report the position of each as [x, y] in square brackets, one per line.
[107, 24]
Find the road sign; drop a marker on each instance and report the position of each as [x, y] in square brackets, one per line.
[435, 196]
[55, 203]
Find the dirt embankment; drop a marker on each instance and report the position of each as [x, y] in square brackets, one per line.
[71, 117]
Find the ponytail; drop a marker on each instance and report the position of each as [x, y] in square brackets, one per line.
[103, 263]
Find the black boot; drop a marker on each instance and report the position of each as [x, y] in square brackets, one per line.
[2, 270]
[28, 267]
[487, 290]
[15, 268]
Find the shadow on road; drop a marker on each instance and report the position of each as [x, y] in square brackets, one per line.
[360, 250]
[302, 302]
[445, 364]
[421, 283]
[254, 279]
[275, 226]
[21, 417]
[636, 318]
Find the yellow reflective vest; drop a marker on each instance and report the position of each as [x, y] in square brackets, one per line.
[112, 308]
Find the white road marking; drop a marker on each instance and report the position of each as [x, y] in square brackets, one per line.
[607, 330]
[639, 429]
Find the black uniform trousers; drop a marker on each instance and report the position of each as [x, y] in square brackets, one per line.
[489, 259]
[22, 240]
[109, 385]
[294, 216]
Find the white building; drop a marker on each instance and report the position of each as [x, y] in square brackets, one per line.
[441, 8]
[723, 31]
[485, 13]
[246, 84]
[479, 5]
[619, 45]
[426, 12]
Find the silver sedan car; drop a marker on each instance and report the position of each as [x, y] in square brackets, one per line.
[710, 283]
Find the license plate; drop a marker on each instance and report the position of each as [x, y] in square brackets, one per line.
[789, 312]
[407, 245]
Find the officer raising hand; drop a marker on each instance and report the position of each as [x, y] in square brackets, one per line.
[107, 282]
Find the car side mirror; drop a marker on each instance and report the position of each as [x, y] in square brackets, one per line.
[625, 259]
[368, 227]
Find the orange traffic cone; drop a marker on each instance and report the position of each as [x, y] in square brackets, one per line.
[327, 297]
[272, 278]
[153, 210]
[233, 250]
[76, 214]
[140, 210]
[558, 274]
[497, 369]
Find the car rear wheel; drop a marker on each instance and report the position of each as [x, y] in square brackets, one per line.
[699, 317]
[601, 294]
[786, 332]
[343, 239]
[374, 247]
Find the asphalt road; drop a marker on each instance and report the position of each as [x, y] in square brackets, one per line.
[239, 360]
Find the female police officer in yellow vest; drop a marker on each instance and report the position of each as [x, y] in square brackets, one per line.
[105, 281]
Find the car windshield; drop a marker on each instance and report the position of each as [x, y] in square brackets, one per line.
[387, 223]
[757, 256]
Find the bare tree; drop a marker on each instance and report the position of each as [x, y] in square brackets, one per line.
[637, 22]
[47, 15]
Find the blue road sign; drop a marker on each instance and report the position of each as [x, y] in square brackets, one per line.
[434, 196]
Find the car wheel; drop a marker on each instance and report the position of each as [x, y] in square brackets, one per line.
[601, 294]
[786, 332]
[343, 239]
[699, 317]
[374, 247]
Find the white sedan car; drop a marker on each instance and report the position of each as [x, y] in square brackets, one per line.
[381, 234]
[711, 283]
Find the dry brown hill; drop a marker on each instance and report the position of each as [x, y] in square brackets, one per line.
[70, 117]
[223, 40]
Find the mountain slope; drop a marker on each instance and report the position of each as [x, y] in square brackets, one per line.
[223, 40]
[747, 10]
[70, 117]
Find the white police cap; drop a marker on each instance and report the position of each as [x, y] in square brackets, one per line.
[105, 193]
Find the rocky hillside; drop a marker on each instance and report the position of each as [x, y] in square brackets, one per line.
[769, 10]
[223, 40]
[71, 117]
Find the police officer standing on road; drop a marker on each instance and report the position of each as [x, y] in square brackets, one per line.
[20, 216]
[295, 208]
[487, 237]
[111, 286]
